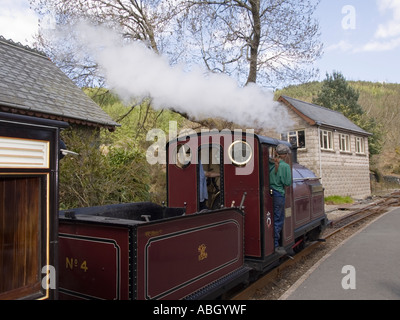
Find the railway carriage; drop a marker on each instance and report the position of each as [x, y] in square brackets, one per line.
[29, 154]
[215, 232]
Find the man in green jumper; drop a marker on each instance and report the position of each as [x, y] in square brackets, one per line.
[280, 176]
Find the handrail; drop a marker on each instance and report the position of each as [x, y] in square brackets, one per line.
[308, 178]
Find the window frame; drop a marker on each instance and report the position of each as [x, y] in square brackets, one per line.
[344, 142]
[360, 145]
[329, 140]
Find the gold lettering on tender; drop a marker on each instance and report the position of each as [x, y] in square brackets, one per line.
[202, 252]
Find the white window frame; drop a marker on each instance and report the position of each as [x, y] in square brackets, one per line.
[326, 139]
[344, 142]
[360, 145]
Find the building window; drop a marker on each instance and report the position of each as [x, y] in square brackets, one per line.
[326, 140]
[344, 142]
[296, 138]
[360, 145]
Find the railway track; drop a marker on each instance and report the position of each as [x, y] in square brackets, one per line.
[355, 218]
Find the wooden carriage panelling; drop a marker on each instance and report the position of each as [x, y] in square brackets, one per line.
[28, 206]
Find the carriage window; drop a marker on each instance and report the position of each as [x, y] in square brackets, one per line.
[240, 152]
[183, 156]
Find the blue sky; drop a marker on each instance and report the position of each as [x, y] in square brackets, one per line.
[361, 37]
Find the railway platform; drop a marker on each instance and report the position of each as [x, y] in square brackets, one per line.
[364, 267]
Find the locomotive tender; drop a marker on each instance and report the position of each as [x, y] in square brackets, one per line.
[181, 251]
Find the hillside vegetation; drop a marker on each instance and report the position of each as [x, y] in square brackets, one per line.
[380, 101]
[112, 166]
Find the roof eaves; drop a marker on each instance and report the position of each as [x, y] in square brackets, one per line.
[328, 126]
[22, 110]
[20, 46]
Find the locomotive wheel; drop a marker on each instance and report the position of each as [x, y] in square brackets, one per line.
[314, 234]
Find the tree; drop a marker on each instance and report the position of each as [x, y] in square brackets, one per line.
[337, 94]
[149, 21]
[101, 174]
[269, 42]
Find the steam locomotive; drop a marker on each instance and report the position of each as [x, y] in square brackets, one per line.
[190, 248]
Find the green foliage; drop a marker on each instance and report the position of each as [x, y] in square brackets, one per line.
[136, 119]
[112, 166]
[305, 92]
[336, 94]
[100, 175]
[338, 200]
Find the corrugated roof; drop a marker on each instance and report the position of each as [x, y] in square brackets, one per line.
[315, 115]
[32, 84]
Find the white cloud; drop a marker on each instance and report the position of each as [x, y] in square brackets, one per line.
[388, 30]
[392, 27]
[17, 21]
[375, 45]
[342, 45]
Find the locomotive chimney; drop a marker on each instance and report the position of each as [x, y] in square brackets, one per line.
[294, 154]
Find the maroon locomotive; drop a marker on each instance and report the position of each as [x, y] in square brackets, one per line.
[190, 249]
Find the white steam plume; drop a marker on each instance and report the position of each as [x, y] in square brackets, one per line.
[134, 71]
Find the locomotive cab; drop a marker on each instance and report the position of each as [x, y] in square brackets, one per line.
[235, 168]
[231, 169]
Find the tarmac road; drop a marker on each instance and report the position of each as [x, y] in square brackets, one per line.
[364, 267]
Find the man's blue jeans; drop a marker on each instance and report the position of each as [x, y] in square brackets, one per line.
[279, 214]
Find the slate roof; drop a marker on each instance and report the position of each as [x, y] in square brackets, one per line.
[317, 115]
[31, 84]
